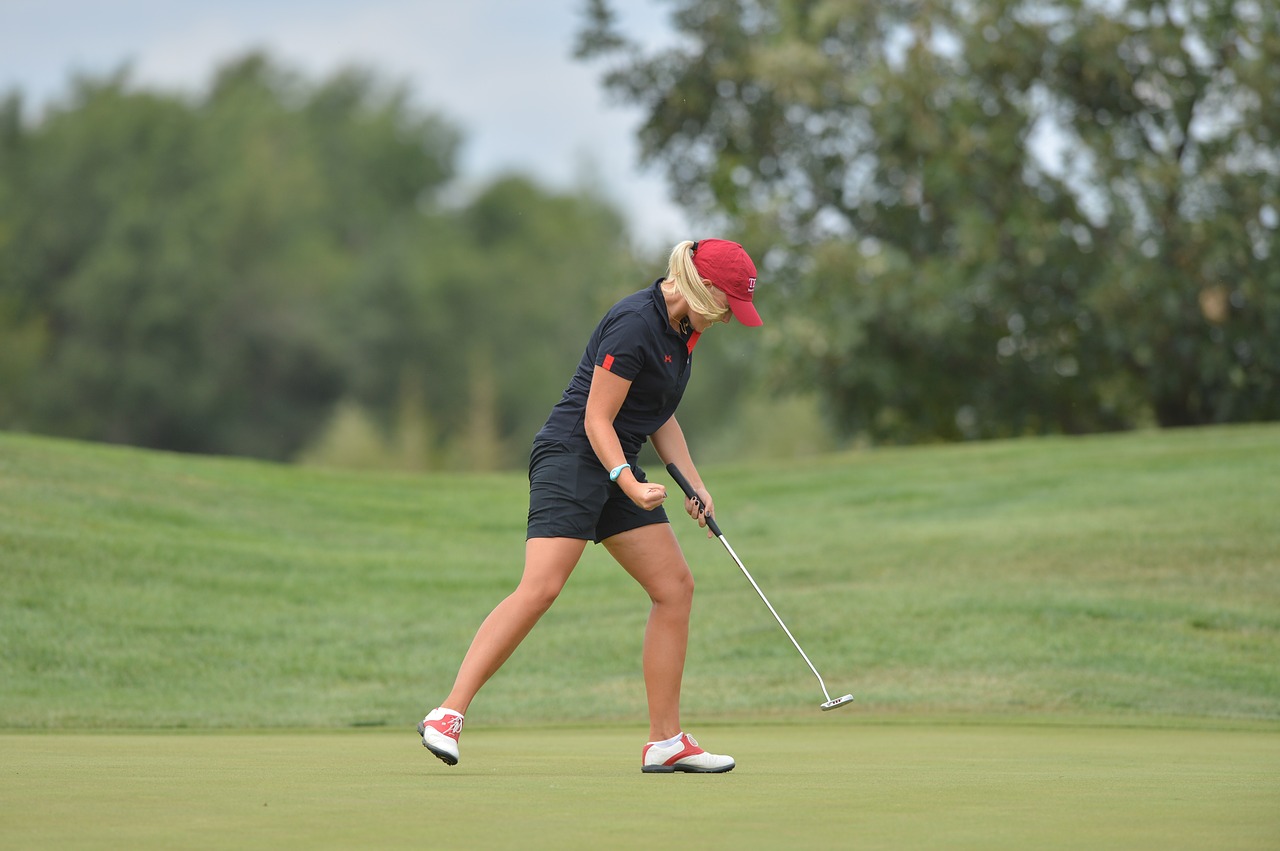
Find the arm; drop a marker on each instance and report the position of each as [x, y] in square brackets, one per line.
[608, 391]
[672, 449]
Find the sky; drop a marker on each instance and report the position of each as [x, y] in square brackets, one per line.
[501, 70]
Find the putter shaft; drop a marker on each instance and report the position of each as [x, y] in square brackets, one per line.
[715, 530]
[775, 614]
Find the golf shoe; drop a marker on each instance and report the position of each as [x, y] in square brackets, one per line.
[440, 731]
[683, 754]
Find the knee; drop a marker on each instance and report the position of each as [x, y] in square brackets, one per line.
[677, 590]
[537, 596]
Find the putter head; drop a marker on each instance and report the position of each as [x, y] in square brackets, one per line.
[839, 701]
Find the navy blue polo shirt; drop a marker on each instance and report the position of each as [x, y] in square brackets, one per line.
[634, 341]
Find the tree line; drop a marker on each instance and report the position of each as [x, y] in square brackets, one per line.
[272, 269]
[276, 267]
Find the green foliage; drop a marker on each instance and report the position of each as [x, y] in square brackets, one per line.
[492, 303]
[185, 254]
[243, 270]
[269, 270]
[1133, 575]
[352, 440]
[940, 277]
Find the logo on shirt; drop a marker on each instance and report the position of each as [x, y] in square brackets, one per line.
[608, 362]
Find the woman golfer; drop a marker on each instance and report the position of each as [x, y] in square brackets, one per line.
[585, 485]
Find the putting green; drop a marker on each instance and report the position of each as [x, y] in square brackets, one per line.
[844, 783]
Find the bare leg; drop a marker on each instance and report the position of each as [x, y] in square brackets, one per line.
[653, 557]
[547, 565]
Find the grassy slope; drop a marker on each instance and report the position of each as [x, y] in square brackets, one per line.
[1133, 574]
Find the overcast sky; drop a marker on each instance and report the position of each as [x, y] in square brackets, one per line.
[500, 69]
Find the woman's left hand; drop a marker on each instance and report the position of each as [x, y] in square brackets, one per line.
[703, 511]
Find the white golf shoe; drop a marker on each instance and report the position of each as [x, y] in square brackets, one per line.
[683, 754]
[440, 731]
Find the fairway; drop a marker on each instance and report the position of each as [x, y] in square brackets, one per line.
[832, 784]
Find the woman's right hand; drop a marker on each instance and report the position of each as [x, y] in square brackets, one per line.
[647, 495]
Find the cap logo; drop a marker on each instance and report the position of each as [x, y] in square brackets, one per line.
[751, 285]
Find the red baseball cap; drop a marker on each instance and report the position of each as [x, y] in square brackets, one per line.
[727, 267]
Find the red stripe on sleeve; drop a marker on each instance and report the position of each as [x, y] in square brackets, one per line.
[608, 362]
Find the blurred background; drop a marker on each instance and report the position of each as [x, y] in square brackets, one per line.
[378, 234]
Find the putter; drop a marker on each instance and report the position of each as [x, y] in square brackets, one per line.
[715, 530]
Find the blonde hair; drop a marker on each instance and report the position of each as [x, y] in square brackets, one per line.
[684, 277]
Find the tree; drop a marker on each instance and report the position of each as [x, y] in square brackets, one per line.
[490, 303]
[177, 260]
[943, 275]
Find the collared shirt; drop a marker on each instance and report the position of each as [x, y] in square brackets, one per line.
[634, 341]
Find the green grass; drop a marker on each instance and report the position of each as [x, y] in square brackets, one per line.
[1135, 574]
[838, 784]
[1055, 643]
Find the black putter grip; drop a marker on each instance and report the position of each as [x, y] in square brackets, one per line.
[688, 491]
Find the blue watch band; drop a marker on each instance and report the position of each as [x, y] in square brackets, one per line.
[617, 471]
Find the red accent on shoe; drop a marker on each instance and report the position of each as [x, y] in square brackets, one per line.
[450, 725]
[690, 749]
